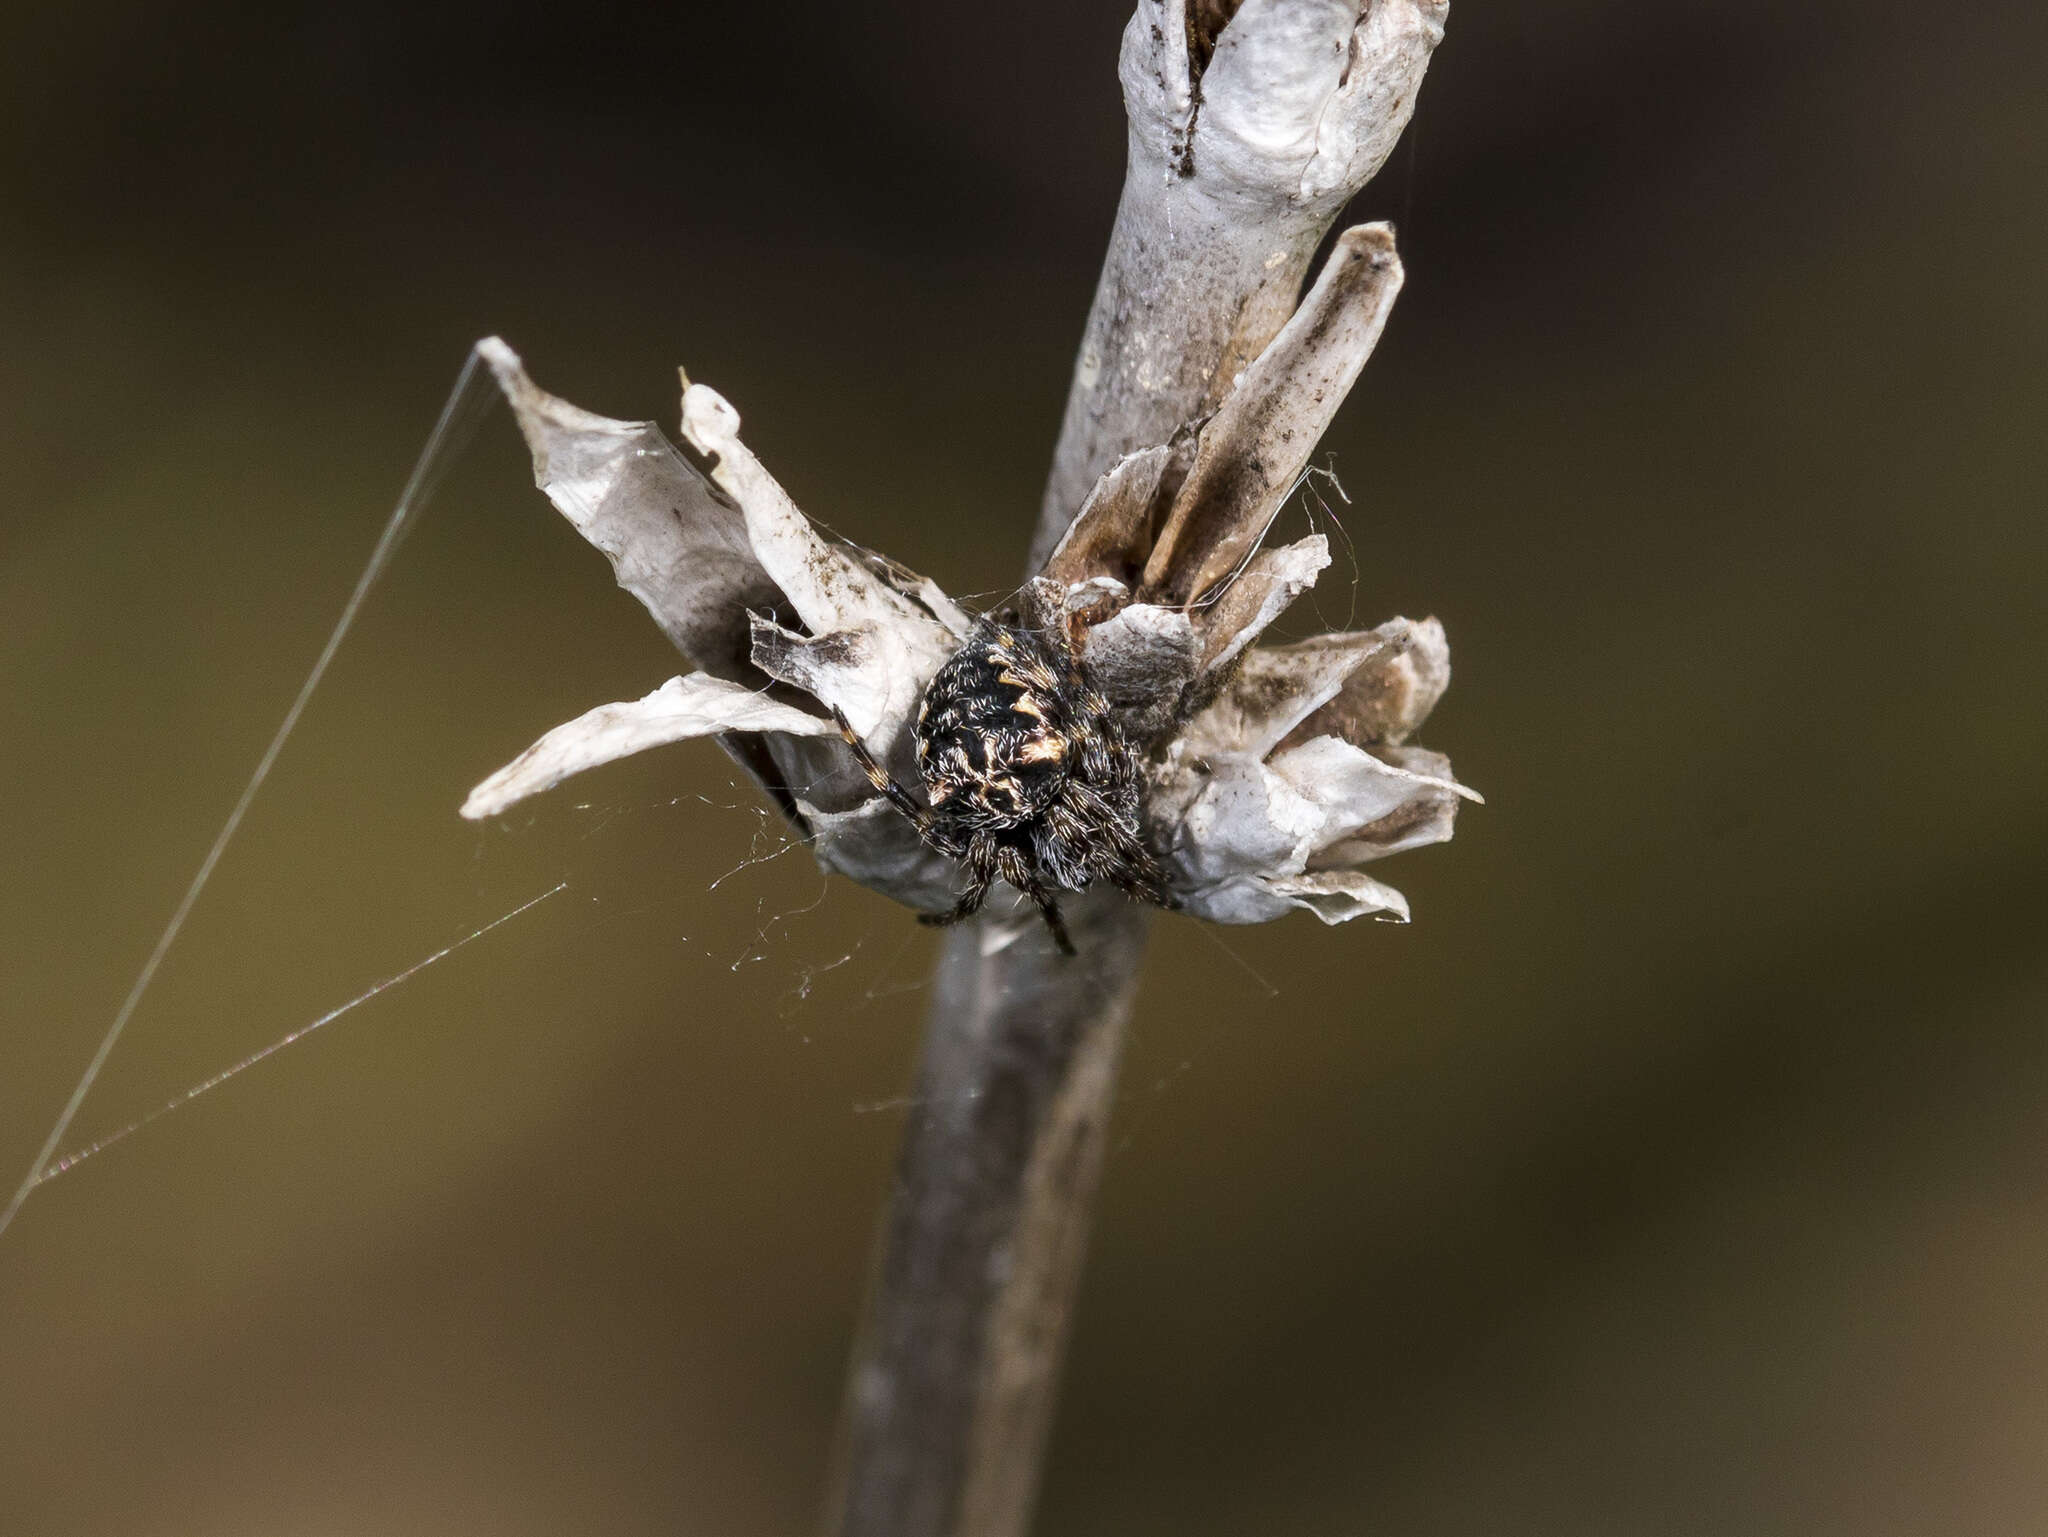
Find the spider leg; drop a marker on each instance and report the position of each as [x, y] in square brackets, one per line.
[1016, 869]
[881, 779]
[1141, 877]
[980, 860]
[1120, 856]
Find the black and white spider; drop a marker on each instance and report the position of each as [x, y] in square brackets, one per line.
[1028, 776]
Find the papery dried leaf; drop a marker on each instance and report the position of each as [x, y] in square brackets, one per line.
[1335, 896]
[751, 752]
[1428, 818]
[1112, 533]
[675, 541]
[1391, 695]
[1232, 619]
[821, 771]
[692, 706]
[1353, 787]
[1252, 451]
[873, 844]
[1239, 819]
[921, 590]
[1243, 899]
[837, 668]
[832, 590]
[1140, 661]
[1276, 688]
[1338, 896]
[1428, 763]
[830, 587]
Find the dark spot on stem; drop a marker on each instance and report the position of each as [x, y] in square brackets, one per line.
[1206, 21]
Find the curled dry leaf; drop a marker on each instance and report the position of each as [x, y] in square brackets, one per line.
[715, 549]
[1271, 773]
[693, 706]
[675, 540]
[1251, 453]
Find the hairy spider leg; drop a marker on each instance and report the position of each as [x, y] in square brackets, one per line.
[900, 798]
[1016, 869]
[980, 860]
[1126, 862]
[1136, 873]
[1098, 764]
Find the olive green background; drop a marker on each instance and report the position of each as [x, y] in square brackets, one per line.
[1682, 1168]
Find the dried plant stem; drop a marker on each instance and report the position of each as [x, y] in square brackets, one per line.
[953, 1382]
[952, 1390]
[1174, 321]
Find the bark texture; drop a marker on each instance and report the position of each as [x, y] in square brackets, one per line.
[953, 1386]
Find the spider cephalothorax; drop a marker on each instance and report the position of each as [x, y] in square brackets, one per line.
[1028, 776]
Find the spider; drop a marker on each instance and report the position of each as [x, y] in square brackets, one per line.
[1027, 773]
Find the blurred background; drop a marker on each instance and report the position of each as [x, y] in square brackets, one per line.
[1682, 1168]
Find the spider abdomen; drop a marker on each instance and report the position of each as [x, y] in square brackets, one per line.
[992, 742]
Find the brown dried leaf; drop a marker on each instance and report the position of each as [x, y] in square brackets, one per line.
[1391, 695]
[1252, 451]
[1277, 688]
[1261, 593]
[1112, 533]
